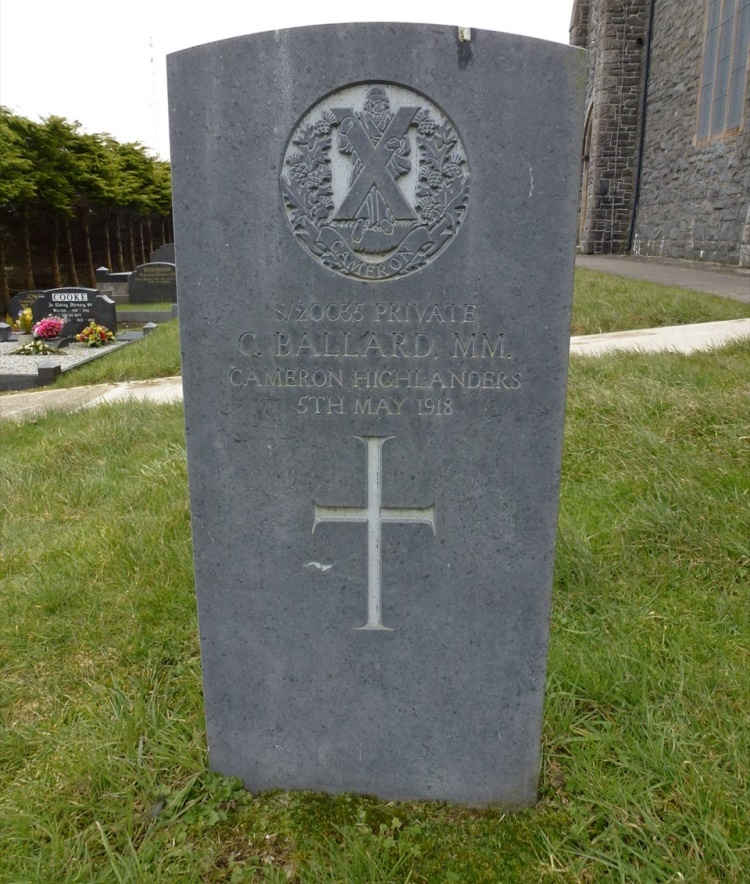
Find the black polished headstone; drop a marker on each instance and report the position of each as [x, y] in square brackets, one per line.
[376, 228]
[77, 307]
[164, 253]
[152, 282]
[21, 300]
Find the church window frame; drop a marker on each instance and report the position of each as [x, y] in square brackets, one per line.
[724, 73]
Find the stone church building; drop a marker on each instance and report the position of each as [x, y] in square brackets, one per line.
[666, 152]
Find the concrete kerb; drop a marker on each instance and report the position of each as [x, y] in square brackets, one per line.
[672, 338]
[19, 406]
[159, 390]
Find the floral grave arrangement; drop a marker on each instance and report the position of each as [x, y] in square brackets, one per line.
[37, 347]
[95, 335]
[48, 328]
[25, 321]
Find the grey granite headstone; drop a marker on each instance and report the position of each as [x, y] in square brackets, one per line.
[152, 282]
[77, 307]
[164, 253]
[376, 230]
[104, 275]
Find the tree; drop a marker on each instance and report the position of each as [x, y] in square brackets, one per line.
[18, 186]
[53, 144]
[56, 178]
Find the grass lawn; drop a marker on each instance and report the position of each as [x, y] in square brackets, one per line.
[156, 356]
[605, 303]
[152, 306]
[646, 738]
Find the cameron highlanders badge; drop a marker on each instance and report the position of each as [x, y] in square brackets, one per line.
[375, 181]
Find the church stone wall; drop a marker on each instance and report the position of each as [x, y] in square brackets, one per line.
[614, 33]
[695, 196]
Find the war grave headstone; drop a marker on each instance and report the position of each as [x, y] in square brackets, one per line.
[377, 224]
[78, 307]
[153, 282]
[164, 253]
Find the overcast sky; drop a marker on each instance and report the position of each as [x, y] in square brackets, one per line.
[103, 63]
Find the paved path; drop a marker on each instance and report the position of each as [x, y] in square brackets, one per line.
[678, 338]
[671, 338]
[19, 406]
[729, 282]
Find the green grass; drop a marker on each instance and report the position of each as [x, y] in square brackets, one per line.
[605, 303]
[646, 739]
[154, 305]
[156, 356]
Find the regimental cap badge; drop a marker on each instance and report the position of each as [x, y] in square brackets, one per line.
[375, 181]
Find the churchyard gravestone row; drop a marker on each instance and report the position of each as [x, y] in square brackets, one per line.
[375, 434]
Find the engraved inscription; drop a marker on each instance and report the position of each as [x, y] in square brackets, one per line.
[374, 515]
[383, 312]
[381, 359]
[375, 181]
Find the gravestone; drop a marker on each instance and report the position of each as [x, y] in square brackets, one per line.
[103, 274]
[376, 223]
[114, 285]
[77, 307]
[164, 253]
[152, 282]
[21, 300]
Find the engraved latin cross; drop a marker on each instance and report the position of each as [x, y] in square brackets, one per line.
[374, 514]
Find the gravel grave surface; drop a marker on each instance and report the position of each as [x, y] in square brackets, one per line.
[67, 358]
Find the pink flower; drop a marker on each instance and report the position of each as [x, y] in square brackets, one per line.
[50, 327]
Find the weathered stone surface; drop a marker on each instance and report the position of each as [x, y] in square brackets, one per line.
[677, 164]
[374, 434]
